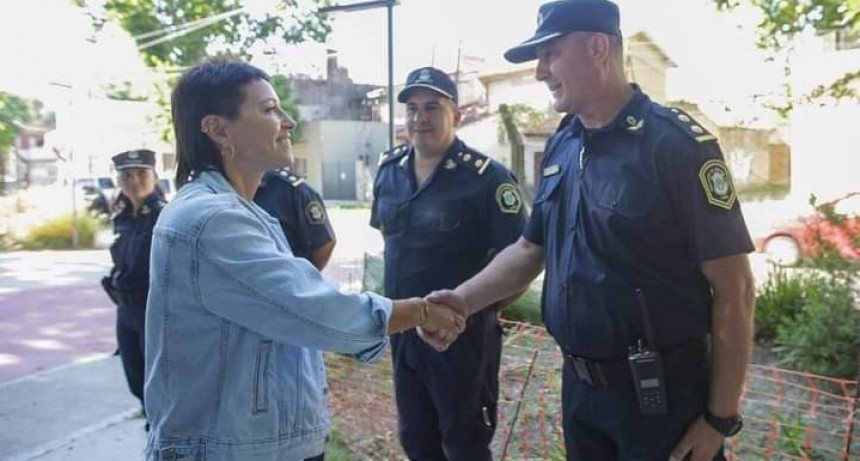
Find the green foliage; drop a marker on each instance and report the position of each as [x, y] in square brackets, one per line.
[184, 32]
[15, 110]
[824, 336]
[525, 117]
[782, 20]
[281, 85]
[526, 309]
[57, 233]
[779, 300]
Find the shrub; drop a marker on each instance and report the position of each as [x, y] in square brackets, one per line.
[57, 233]
[824, 337]
[778, 300]
[526, 309]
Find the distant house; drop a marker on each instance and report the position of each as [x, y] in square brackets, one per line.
[760, 154]
[342, 132]
[824, 130]
[34, 164]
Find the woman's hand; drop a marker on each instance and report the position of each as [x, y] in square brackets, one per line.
[442, 318]
[437, 335]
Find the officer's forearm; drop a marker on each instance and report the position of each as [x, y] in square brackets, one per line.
[509, 273]
[732, 331]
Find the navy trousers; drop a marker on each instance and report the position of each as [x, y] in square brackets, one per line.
[130, 334]
[446, 402]
[605, 424]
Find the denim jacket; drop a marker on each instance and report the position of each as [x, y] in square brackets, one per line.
[235, 327]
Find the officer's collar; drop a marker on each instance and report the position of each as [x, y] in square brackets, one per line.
[448, 158]
[631, 118]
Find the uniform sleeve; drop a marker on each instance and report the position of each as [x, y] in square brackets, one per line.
[534, 228]
[374, 205]
[251, 283]
[506, 212]
[704, 198]
[313, 226]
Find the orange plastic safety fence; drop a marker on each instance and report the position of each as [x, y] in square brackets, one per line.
[789, 415]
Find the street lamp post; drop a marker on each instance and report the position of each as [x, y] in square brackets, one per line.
[389, 4]
[71, 159]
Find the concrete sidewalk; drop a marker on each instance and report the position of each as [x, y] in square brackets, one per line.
[77, 412]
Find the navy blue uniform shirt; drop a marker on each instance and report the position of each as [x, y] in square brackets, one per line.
[298, 208]
[638, 204]
[444, 232]
[130, 250]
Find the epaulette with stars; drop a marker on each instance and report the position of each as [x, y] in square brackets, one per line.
[393, 154]
[475, 161]
[288, 177]
[686, 123]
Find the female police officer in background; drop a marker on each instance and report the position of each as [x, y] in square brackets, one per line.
[135, 212]
[235, 321]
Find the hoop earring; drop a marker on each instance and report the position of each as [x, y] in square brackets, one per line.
[230, 152]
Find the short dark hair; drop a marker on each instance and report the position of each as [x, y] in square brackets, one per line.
[211, 88]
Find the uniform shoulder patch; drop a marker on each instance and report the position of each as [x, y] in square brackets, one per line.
[315, 212]
[288, 177]
[685, 123]
[391, 156]
[474, 161]
[508, 198]
[717, 184]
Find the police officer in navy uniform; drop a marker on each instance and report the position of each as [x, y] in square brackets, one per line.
[302, 215]
[638, 226]
[135, 211]
[444, 210]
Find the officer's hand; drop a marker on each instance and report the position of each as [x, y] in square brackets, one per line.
[451, 299]
[439, 340]
[442, 327]
[442, 318]
[700, 441]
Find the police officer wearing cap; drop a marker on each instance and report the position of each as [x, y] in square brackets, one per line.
[444, 210]
[135, 211]
[648, 290]
[301, 213]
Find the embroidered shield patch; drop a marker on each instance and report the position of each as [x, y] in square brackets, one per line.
[508, 198]
[717, 184]
[314, 212]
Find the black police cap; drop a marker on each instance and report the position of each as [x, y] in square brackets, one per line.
[562, 17]
[139, 158]
[430, 78]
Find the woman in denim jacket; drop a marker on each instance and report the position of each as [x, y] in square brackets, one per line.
[235, 323]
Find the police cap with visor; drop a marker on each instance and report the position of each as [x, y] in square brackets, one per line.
[138, 158]
[561, 17]
[430, 78]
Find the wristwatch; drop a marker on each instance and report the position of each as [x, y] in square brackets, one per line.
[729, 426]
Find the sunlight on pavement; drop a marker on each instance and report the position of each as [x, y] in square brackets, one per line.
[9, 359]
[43, 344]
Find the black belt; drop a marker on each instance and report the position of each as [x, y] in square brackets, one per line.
[687, 360]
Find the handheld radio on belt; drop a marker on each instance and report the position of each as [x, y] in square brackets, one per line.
[647, 368]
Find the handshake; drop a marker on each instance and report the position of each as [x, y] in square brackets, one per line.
[446, 314]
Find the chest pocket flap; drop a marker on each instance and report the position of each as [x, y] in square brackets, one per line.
[548, 186]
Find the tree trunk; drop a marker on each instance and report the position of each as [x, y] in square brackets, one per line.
[515, 138]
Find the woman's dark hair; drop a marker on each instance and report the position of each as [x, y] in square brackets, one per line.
[211, 88]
